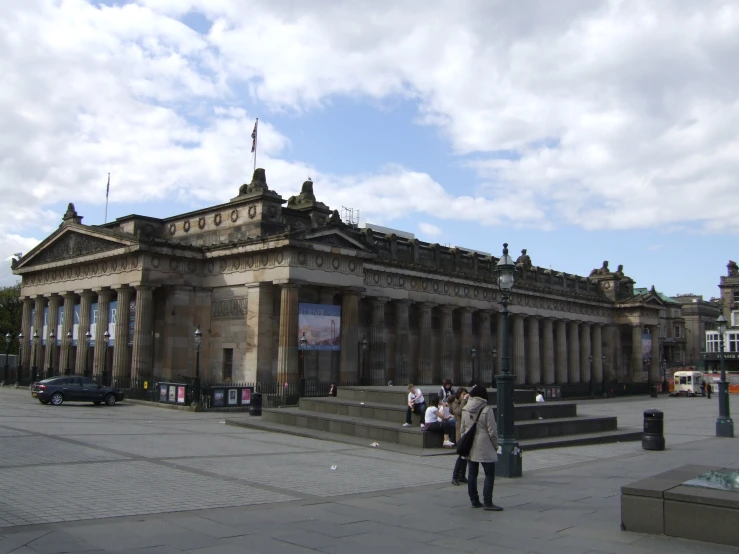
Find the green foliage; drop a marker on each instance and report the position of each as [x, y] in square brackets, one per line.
[11, 311]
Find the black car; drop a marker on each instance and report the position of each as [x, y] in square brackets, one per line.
[56, 390]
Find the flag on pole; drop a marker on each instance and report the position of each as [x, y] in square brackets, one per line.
[107, 189]
[254, 136]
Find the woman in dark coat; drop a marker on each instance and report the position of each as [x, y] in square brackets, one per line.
[460, 466]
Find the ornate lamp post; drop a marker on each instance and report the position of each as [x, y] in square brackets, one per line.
[724, 423]
[590, 375]
[364, 346]
[68, 369]
[88, 339]
[35, 353]
[495, 362]
[19, 369]
[509, 455]
[196, 381]
[473, 355]
[106, 343]
[603, 374]
[8, 338]
[301, 366]
[50, 344]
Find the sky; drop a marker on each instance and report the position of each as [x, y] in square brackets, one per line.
[581, 130]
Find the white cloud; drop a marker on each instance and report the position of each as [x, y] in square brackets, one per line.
[429, 230]
[610, 114]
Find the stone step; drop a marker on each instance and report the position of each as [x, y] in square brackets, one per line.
[399, 395]
[383, 431]
[602, 437]
[396, 413]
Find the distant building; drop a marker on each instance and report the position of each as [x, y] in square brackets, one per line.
[699, 316]
[729, 305]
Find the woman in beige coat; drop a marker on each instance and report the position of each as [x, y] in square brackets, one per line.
[484, 447]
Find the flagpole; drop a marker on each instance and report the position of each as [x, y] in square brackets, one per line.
[256, 125]
[107, 192]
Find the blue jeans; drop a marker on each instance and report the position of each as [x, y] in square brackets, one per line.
[487, 488]
[419, 409]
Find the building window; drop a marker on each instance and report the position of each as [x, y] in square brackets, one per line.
[733, 342]
[677, 331]
[712, 341]
[228, 364]
[736, 296]
[735, 318]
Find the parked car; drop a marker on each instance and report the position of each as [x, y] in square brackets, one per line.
[56, 390]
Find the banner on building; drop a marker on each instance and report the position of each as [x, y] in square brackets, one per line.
[646, 347]
[321, 326]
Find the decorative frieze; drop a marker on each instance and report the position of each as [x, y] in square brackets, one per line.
[233, 308]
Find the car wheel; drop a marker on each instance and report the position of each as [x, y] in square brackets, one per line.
[110, 400]
[57, 399]
[96, 402]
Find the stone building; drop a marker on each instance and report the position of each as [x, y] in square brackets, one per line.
[700, 316]
[729, 306]
[239, 270]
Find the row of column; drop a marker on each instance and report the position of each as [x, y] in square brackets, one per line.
[543, 350]
[127, 362]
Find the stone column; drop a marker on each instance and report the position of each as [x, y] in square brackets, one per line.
[533, 367]
[562, 368]
[618, 354]
[65, 356]
[27, 338]
[326, 357]
[609, 368]
[519, 349]
[51, 360]
[101, 350]
[585, 352]
[654, 363]
[637, 361]
[484, 362]
[597, 354]
[121, 360]
[349, 366]
[259, 340]
[425, 344]
[287, 349]
[38, 326]
[574, 350]
[465, 341]
[446, 353]
[142, 358]
[377, 342]
[402, 342]
[84, 327]
[548, 351]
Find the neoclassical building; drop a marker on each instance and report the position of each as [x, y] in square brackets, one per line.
[239, 270]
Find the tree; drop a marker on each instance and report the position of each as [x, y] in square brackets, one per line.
[11, 312]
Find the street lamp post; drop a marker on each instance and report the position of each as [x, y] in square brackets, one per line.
[8, 338]
[509, 455]
[473, 355]
[106, 342]
[363, 346]
[35, 354]
[301, 366]
[196, 381]
[88, 339]
[68, 369]
[495, 363]
[603, 374]
[19, 368]
[663, 367]
[51, 343]
[724, 423]
[590, 376]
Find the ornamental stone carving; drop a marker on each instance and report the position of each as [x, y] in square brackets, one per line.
[333, 240]
[235, 216]
[73, 245]
[234, 308]
[201, 223]
[252, 212]
[217, 219]
[186, 226]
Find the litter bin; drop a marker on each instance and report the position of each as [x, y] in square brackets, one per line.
[255, 408]
[653, 391]
[653, 437]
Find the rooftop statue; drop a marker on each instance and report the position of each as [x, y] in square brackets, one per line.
[620, 272]
[523, 260]
[306, 195]
[733, 269]
[601, 270]
[258, 183]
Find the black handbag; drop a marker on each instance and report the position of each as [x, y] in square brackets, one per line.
[464, 444]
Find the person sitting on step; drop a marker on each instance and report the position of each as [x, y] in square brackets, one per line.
[416, 405]
[438, 420]
[446, 390]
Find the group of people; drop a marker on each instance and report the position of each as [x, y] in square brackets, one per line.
[455, 413]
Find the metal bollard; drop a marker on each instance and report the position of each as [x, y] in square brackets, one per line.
[653, 437]
[255, 408]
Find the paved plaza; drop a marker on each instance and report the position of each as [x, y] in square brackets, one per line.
[134, 478]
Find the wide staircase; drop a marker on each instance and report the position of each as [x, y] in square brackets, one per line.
[376, 414]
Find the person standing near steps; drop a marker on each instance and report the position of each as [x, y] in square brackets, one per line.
[484, 448]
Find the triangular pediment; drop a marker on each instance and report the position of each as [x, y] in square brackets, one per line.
[335, 238]
[69, 244]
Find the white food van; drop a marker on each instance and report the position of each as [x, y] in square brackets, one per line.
[687, 383]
